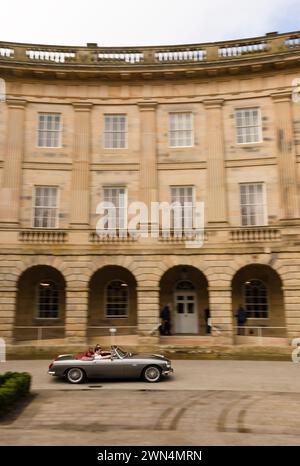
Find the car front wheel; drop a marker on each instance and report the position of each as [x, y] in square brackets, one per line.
[75, 375]
[152, 374]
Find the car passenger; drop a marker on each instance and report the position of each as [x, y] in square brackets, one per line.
[89, 353]
[99, 354]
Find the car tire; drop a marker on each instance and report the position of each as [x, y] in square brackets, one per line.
[152, 374]
[75, 375]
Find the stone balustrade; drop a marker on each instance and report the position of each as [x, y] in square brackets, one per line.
[56, 56]
[255, 235]
[43, 236]
[119, 237]
[120, 57]
[236, 235]
[184, 55]
[267, 45]
[6, 52]
[293, 41]
[238, 50]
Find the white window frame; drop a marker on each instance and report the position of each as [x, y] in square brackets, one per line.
[34, 206]
[116, 316]
[267, 300]
[112, 132]
[171, 131]
[259, 126]
[193, 203]
[264, 204]
[38, 301]
[118, 228]
[59, 131]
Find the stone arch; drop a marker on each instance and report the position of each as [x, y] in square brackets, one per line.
[187, 306]
[96, 263]
[36, 307]
[169, 262]
[262, 312]
[27, 262]
[104, 314]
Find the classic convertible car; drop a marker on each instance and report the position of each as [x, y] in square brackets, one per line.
[149, 367]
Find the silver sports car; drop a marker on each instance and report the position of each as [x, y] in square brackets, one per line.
[150, 367]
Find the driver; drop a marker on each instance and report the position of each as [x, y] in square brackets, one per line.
[99, 354]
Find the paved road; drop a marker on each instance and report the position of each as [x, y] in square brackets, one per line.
[188, 375]
[135, 417]
[204, 403]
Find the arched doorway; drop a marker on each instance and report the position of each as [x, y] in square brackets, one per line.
[185, 305]
[258, 288]
[184, 290]
[40, 309]
[112, 302]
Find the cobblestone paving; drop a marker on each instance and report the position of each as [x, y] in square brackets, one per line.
[98, 416]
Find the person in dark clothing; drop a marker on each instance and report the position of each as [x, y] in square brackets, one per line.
[241, 316]
[165, 316]
[207, 320]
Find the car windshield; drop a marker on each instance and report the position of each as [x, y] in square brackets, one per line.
[122, 354]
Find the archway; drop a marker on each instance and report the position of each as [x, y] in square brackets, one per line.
[40, 309]
[112, 301]
[184, 289]
[258, 288]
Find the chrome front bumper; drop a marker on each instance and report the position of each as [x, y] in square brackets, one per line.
[51, 372]
[168, 371]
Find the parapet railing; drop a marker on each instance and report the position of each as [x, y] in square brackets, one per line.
[119, 236]
[35, 236]
[260, 332]
[254, 234]
[38, 332]
[239, 235]
[92, 54]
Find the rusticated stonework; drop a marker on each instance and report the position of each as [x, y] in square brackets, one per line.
[83, 84]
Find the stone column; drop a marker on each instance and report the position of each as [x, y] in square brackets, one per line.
[148, 162]
[80, 197]
[216, 199]
[76, 314]
[148, 314]
[220, 304]
[12, 169]
[7, 312]
[291, 295]
[286, 154]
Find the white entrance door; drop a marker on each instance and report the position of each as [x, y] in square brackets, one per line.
[186, 317]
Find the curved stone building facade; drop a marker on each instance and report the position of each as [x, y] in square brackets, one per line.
[215, 123]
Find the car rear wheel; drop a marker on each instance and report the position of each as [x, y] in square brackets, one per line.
[75, 375]
[152, 374]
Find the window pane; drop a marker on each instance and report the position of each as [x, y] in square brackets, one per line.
[117, 299]
[253, 208]
[255, 296]
[180, 129]
[45, 209]
[248, 125]
[49, 128]
[115, 131]
[48, 300]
